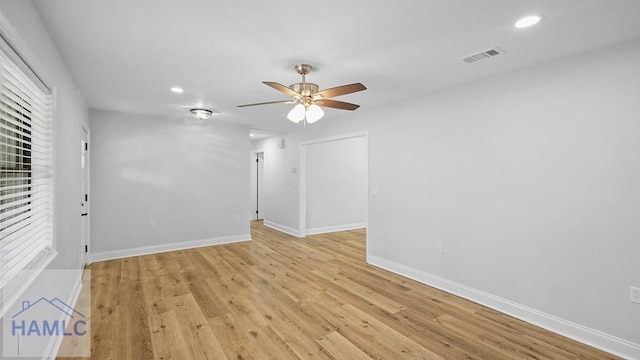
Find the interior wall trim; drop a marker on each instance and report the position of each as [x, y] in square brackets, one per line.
[336, 228]
[282, 228]
[583, 334]
[146, 250]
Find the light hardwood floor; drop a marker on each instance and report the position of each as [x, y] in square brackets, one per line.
[279, 297]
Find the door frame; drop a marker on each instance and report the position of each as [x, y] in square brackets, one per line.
[84, 129]
[259, 180]
[252, 185]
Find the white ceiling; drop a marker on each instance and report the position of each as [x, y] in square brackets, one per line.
[126, 54]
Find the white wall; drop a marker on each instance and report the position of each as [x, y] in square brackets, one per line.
[190, 179]
[529, 180]
[336, 185]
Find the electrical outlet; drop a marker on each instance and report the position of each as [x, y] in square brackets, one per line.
[635, 295]
[440, 248]
[152, 224]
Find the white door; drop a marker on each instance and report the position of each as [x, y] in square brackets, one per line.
[84, 194]
[260, 182]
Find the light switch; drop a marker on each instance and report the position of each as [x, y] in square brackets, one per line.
[375, 191]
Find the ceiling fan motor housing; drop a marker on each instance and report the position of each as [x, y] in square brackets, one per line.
[304, 88]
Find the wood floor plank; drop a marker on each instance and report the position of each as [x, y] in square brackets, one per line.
[133, 337]
[364, 331]
[208, 300]
[281, 297]
[202, 342]
[277, 315]
[494, 340]
[226, 329]
[340, 348]
[249, 340]
[299, 317]
[364, 292]
[130, 269]
[167, 338]
[164, 286]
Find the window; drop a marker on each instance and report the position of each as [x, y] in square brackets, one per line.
[26, 169]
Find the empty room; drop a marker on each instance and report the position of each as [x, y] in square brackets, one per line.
[415, 179]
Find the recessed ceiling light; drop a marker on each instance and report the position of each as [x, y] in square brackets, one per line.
[177, 90]
[527, 21]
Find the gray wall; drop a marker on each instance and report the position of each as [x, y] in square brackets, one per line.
[190, 179]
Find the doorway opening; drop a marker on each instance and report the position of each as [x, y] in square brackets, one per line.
[333, 184]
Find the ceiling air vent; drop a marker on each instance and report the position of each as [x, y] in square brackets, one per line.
[482, 55]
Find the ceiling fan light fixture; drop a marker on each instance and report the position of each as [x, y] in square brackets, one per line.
[201, 114]
[314, 113]
[297, 113]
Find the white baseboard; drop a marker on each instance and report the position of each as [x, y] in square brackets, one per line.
[595, 338]
[284, 229]
[54, 344]
[330, 229]
[146, 250]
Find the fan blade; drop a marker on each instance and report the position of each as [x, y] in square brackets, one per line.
[269, 102]
[282, 88]
[337, 104]
[340, 90]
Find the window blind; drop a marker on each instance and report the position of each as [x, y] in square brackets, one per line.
[26, 171]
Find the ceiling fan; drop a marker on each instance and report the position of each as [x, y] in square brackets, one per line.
[309, 99]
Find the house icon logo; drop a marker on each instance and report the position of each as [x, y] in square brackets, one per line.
[48, 317]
